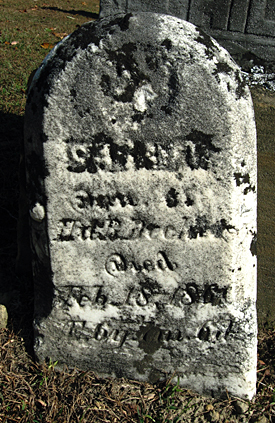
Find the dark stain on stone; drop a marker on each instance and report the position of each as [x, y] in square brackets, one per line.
[241, 179]
[73, 93]
[199, 156]
[152, 62]
[65, 52]
[219, 227]
[244, 179]
[207, 42]
[122, 22]
[199, 228]
[105, 84]
[173, 85]
[138, 117]
[167, 44]
[214, 294]
[144, 364]
[223, 67]
[118, 154]
[150, 338]
[151, 58]
[253, 245]
[140, 158]
[248, 189]
[166, 109]
[172, 198]
[84, 36]
[174, 89]
[240, 90]
[189, 202]
[123, 59]
[202, 225]
[243, 163]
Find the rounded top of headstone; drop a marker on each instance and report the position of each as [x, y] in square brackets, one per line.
[139, 93]
[128, 76]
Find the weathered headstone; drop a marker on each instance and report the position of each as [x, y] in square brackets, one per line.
[141, 161]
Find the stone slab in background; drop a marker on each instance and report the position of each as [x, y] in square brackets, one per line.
[264, 104]
[141, 159]
[237, 24]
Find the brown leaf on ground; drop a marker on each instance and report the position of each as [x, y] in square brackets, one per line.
[47, 45]
[59, 34]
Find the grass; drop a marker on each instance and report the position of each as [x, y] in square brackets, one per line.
[32, 392]
[29, 29]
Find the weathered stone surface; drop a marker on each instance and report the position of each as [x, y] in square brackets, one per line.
[236, 24]
[141, 160]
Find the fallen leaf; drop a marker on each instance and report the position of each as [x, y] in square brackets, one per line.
[13, 43]
[267, 372]
[23, 11]
[84, 3]
[261, 362]
[47, 45]
[60, 34]
[70, 17]
[35, 7]
[6, 42]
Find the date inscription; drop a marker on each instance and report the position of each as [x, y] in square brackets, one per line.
[149, 293]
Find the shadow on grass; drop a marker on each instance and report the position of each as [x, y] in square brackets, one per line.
[89, 15]
[16, 289]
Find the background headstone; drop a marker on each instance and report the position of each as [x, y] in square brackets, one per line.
[141, 160]
[239, 25]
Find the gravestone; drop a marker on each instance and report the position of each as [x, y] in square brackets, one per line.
[141, 166]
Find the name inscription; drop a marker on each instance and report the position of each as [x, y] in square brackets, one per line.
[112, 229]
[102, 153]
